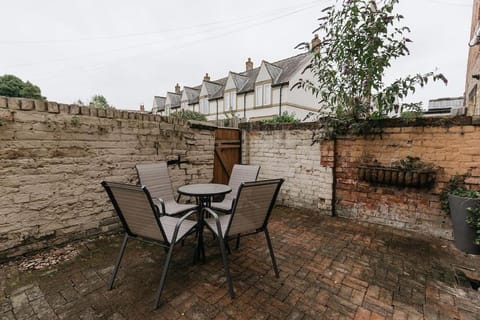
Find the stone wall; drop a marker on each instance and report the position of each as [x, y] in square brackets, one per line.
[54, 156]
[286, 151]
[452, 145]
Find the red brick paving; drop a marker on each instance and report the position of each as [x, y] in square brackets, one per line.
[330, 268]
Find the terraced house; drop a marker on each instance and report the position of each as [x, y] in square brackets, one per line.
[254, 94]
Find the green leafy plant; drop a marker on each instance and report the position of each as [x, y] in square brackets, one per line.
[474, 221]
[98, 101]
[456, 186]
[410, 163]
[359, 41]
[188, 115]
[284, 118]
[75, 121]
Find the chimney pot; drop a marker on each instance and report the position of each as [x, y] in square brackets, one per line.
[206, 77]
[177, 88]
[249, 64]
[142, 108]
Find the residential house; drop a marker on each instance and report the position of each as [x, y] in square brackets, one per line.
[445, 107]
[472, 100]
[254, 94]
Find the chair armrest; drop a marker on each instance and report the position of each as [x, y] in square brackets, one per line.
[162, 208]
[179, 223]
[217, 222]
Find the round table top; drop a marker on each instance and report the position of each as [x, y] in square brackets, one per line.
[204, 189]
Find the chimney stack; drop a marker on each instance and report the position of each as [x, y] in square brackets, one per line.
[248, 64]
[142, 108]
[315, 44]
[177, 89]
[206, 77]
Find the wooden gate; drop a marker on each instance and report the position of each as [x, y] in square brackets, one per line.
[227, 153]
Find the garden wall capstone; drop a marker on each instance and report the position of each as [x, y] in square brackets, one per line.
[286, 151]
[54, 156]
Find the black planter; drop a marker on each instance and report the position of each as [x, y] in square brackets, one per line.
[463, 234]
[396, 177]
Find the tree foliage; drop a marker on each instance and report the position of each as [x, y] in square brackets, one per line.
[100, 102]
[359, 41]
[12, 86]
[188, 115]
[285, 117]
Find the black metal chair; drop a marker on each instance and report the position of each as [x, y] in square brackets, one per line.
[251, 212]
[141, 220]
[155, 177]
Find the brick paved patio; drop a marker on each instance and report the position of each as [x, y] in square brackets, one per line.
[331, 268]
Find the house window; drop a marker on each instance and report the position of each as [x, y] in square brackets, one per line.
[226, 101]
[230, 101]
[258, 95]
[267, 88]
[204, 106]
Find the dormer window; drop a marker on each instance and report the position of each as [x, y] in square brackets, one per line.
[263, 94]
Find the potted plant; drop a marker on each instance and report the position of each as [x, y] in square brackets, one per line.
[464, 207]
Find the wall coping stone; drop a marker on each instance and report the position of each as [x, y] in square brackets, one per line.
[27, 105]
[445, 121]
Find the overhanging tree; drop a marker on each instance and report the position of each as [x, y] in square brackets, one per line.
[12, 86]
[359, 41]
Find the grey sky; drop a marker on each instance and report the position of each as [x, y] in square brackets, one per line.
[130, 51]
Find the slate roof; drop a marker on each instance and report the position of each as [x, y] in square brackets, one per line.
[175, 99]
[281, 72]
[159, 103]
[218, 88]
[192, 94]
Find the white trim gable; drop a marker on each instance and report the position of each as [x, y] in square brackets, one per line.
[184, 97]
[263, 74]
[230, 84]
[203, 91]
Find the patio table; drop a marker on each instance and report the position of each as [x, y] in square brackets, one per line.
[203, 192]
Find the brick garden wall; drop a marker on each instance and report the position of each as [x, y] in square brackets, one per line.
[452, 145]
[286, 151]
[53, 157]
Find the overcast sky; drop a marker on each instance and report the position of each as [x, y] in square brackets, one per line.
[130, 51]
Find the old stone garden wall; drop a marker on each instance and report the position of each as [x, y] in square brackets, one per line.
[286, 151]
[54, 156]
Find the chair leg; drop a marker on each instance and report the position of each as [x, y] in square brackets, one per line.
[270, 248]
[227, 246]
[119, 259]
[164, 275]
[225, 265]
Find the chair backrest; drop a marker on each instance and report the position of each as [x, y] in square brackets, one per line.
[254, 204]
[241, 173]
[134, 207]
[155, 177]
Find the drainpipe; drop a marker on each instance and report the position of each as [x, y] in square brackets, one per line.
[280, 102]
[334, 177]
[244, 106]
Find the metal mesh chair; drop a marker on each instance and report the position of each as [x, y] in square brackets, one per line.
[155, 177]
[141, 220]
[250, 215]
[240, 173]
